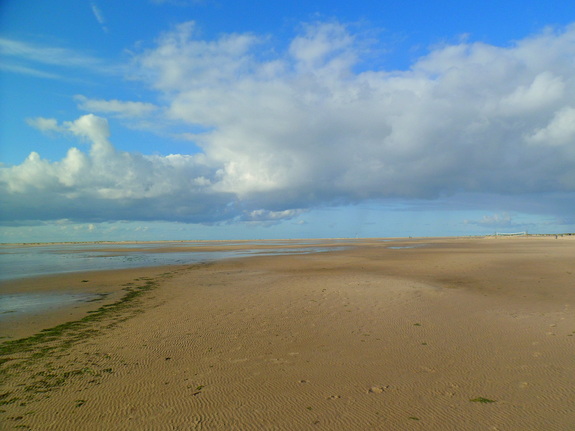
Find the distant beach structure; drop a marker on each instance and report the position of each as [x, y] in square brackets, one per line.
[511, 234]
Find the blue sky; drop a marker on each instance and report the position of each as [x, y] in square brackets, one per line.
[205, 119]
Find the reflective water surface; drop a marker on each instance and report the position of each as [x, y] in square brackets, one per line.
[29, 261]
[23, 261]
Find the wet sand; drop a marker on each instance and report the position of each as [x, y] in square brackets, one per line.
[456, 334]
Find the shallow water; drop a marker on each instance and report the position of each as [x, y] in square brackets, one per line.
[42, 260]
[30, 261]
[17, 262]
[17, 304]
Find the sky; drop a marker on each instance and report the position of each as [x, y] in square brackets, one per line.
[220, 119]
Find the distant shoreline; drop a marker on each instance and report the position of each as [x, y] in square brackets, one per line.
[193, 241]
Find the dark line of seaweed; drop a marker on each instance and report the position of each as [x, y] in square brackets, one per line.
[15, 355]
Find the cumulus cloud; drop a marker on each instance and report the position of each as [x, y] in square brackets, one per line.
[315, 125]
[462, 118]
[108, 184]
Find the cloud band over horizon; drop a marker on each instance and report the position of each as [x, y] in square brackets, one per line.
[280, 132]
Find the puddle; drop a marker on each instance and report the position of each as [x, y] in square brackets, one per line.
[23, 303]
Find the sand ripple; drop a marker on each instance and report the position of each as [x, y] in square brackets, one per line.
[334, 342]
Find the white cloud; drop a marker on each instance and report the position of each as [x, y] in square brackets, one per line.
[180, 62]
[99, 16]
[327, 46]
[116, 108]
[44, 124]
[98, 13]
[282, 132]
[89, 127]
[25, 70]
[559, 131]
[14, 52]
[306, 123]
[44, 54]
[110, 184]
[544, 91]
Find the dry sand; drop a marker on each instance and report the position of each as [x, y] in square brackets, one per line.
[458, 334]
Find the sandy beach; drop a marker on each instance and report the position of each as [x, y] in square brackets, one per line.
[428, 334]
